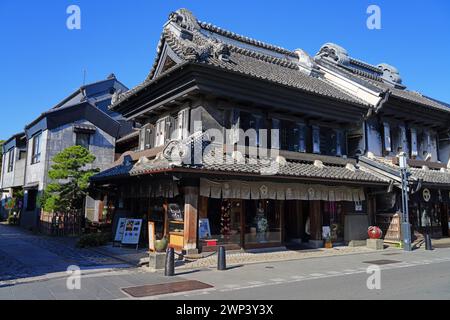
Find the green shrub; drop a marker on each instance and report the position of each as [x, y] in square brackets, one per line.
[12, 220]
[93, 240]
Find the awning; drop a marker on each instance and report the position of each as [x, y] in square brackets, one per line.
[154, 189]
[33, 185]
[278, 191]
[84, 128]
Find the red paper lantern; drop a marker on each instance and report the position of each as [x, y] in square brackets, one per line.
[375, 232]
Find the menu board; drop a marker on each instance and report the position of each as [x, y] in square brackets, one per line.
[120, 230]
[132, 231]
[204, 230]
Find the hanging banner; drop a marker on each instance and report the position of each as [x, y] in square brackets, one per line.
[120, 230]
[132, 231]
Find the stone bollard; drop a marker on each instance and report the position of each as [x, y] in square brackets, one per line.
[222, 259]
[170, 263]
[428, 245]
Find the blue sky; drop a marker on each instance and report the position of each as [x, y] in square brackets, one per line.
[42, 61]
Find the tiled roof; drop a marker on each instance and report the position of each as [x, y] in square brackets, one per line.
[429, 175]
[372, 76]
[300, 169]
[208, 44]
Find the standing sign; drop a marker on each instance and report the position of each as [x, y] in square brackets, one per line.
[120, 230]
[151, 236]
[132, 231]
[204, 230]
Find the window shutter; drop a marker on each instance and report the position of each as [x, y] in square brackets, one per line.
[170, 128]
[414, 151]
[150, 136]
[339, 142]
[235, 126]
[387, 137]
[316, 139]
[403, 139]
[275, 137]
[302, 137]
[182, 124]
[160, 132]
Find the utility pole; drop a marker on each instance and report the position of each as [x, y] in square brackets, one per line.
[406, 227]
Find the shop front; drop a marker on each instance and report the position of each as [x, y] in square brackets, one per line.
[239, 214]
[430, 211]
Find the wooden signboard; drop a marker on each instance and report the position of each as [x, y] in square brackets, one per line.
[393, 232]
[151, 236]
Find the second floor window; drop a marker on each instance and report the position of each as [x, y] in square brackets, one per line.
[36, 151]
[83, 140]
[11, 160]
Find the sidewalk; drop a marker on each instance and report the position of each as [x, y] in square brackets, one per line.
[128, 255]
[237, 258]
[234, 258]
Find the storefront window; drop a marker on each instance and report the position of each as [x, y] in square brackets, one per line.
[262, 222]
[333, 216]
[224, 218]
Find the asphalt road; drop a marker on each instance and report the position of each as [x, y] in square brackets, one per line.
[416, 275]
[33, 267]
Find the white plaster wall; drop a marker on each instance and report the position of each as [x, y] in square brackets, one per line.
[36, 172]
[7, 177]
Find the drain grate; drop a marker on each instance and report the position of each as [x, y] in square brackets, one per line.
[165, 288]
[381, 262]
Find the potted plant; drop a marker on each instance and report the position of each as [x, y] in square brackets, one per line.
[161, 245]
[327, 242]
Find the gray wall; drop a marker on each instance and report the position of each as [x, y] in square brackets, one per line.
[102, 146]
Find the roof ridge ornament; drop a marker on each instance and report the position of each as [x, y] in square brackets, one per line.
[390, 73]
[185, 19]
[334, 53]
[306, 63]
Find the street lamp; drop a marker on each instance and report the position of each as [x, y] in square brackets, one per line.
[406, 228]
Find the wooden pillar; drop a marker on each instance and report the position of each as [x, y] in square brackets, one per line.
[203, 208]
[315, 215]
[191, 198]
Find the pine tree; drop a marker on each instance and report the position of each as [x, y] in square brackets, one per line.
[70, 181]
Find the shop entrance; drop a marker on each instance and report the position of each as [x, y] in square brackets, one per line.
[296, 218]
[236, 224]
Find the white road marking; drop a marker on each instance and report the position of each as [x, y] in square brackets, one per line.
[316, 275]
[255, 282]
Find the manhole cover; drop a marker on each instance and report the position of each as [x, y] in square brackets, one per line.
[381, 262]
[269, 267]
[391, 254]
[166, 288]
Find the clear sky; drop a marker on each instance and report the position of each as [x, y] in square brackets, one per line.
[42, 61]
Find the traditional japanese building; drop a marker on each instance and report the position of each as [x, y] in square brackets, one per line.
[13, 172]
[400, 121]
[82, 118]
[242, 144]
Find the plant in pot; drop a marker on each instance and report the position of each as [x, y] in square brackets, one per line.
[161, 245]
[327, 242]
